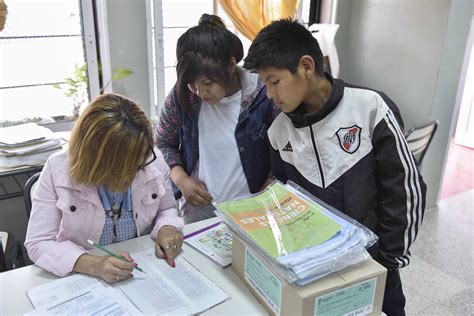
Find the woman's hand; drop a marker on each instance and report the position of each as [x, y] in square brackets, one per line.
[195, 192]
[108, 268]
[168, 243]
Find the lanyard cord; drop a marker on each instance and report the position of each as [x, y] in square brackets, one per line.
[114, 213]
[115, 210]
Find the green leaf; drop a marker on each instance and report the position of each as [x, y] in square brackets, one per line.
[70, 81]
[82, 78]
[121, 73]
[80, 73]
[57, 86]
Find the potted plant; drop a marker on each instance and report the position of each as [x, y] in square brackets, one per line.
[75, 87]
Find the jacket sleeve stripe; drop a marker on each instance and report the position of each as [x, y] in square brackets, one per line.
[415, 181]
[403, 159]
[412, 188]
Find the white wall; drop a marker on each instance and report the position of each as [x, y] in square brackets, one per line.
[445, 101]
[127, 35]
[413, 51]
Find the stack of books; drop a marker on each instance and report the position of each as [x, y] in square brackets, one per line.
[27, 145]
[301, 236]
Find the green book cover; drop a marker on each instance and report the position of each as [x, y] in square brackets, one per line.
[280, 221]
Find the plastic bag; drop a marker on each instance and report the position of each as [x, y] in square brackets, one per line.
[302, 237]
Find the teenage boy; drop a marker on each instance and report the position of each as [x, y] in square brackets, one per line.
[342, 143]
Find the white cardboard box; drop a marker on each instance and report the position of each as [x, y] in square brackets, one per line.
[356, 290]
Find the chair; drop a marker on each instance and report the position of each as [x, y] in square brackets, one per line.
[419, 138]
[3, 246]
[12, 252]
[29, 185]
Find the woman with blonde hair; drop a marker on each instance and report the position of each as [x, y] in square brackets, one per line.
[110, 185]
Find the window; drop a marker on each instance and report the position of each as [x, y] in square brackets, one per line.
[39, 46]
[169, 22]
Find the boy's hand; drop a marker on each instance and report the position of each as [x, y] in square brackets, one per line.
[267, 182]
[195, 192]
[168, 244]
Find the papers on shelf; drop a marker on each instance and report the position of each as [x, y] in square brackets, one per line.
[24, 134]
[33, 159]
[214, 241]
[27, 145]
[162, 290]
[52, 143]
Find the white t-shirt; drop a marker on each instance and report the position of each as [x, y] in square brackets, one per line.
[219, 163]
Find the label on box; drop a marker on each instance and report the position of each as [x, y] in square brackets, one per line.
[263, 281]
[357, 299]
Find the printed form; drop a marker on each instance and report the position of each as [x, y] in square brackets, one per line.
[95, 299]
[162, 290]
[180, 290]
[59, 290]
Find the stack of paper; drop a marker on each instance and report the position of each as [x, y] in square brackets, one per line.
[303, 238]
[162, 290]
[26, 145]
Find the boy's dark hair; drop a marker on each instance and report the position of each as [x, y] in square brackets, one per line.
[205, 49]
[281, 45]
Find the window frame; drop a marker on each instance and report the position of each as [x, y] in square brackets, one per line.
[86, 12]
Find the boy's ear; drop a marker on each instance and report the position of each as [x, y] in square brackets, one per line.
[307, 64]
[232, 64]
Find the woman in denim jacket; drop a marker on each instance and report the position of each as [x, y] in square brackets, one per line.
[213, 125]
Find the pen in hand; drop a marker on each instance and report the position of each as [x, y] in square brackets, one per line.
[99, 246]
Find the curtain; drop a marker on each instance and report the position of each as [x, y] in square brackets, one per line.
[250, 16]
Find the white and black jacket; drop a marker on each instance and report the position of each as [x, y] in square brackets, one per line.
[352, 154]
